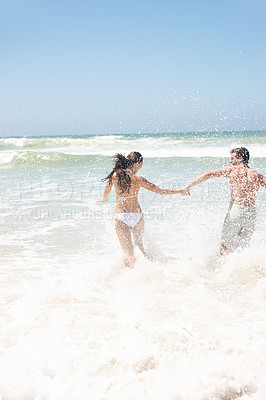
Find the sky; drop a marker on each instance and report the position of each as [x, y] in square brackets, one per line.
[76, 67]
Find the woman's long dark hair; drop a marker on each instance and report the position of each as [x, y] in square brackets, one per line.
[121, 164]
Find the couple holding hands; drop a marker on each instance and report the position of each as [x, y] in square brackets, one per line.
[240, 219]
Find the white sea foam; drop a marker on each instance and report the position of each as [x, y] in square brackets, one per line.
[6, 157]
[88, 328]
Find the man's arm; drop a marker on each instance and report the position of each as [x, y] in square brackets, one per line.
[262, 180]
[225, 171]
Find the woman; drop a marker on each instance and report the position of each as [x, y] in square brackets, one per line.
[128, 215]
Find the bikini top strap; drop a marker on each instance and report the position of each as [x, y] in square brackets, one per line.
[123, 198]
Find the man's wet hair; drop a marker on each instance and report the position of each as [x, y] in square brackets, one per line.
[241, 152]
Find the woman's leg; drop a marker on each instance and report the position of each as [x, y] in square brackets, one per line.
[124, 235]
[138, 232]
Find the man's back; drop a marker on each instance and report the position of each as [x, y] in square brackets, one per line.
[245, 183]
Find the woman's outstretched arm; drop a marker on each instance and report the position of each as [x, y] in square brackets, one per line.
[156, 189]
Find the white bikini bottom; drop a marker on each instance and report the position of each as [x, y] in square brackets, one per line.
[130, 219]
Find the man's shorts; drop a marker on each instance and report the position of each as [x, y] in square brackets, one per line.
[238, 226]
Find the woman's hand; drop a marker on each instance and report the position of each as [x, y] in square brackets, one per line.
[101, 200]
[106, 193]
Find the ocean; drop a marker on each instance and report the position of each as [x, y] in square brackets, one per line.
[75, 324]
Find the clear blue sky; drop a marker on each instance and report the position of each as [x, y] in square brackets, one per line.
[105, 67]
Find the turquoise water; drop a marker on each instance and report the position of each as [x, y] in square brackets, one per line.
[77, 324]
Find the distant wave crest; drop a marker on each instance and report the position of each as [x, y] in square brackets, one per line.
[27, 159]
[69, 150]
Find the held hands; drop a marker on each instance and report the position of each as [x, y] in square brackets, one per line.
[185, 192]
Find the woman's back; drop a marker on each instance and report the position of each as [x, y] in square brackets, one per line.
[127, 199]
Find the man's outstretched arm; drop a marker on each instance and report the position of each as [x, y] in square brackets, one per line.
[212, 174]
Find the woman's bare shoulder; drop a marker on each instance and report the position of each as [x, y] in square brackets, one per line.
[139, 179]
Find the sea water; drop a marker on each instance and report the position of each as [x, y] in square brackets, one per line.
[76, 324]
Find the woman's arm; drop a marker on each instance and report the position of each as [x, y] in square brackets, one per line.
[106, 192]
[156, 189]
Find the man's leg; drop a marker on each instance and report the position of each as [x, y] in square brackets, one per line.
[226, 238]
[248, 226]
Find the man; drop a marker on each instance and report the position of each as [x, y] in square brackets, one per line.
[245, 182]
